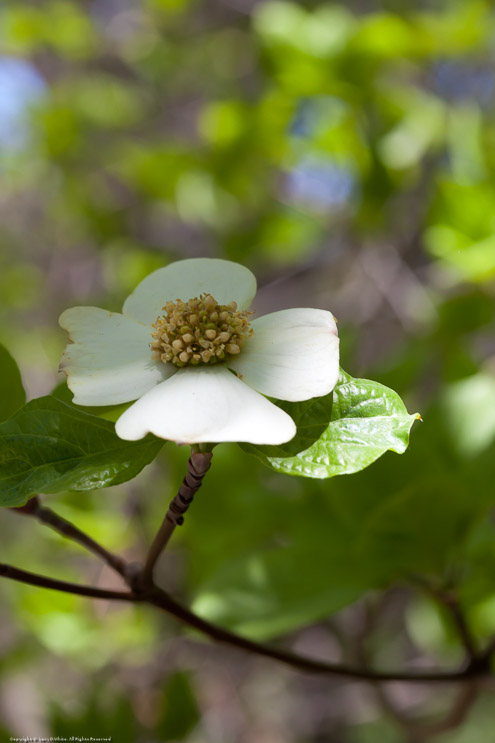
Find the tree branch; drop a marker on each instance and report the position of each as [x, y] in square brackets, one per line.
[69, 531]
[157, 597]
[143, 590]
[419, 729]
[449, 601]
[164, 601]
[197, 466]
[426, 729]
[464, 631]
[33, 579]
[459, 711]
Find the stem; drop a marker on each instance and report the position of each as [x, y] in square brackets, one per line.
[156, 597]
[68, 530]
[143, 590]
[463, 628]
[197, 466]
[419, 729]
[459, 711]
[33, 579]
[165, 602]
[450, 602]
[423, 730]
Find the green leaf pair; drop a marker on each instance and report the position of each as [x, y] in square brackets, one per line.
[49, 446]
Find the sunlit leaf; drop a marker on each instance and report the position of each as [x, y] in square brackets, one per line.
[48, 447]
[365, 420]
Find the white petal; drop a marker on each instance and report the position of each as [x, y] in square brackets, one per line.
[293, 355]
[224, 280]
[206, 405]
[109, 361]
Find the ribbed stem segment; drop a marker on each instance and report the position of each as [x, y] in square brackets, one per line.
[197, 466]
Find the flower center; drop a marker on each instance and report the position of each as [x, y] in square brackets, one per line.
[199, 331]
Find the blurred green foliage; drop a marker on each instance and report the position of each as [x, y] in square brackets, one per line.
[345, 152]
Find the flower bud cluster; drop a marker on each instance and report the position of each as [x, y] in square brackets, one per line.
[199, 331]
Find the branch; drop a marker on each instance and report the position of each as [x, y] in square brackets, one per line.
[419, 729]
[143, 590]
[156, 597]
[450, 602]
[459, 711]
[165, 602]
[33, 579]
[197, 466]
[69, 531]
[460, 621]
[426, 729]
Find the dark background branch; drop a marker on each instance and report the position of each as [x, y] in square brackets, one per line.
[143, 590]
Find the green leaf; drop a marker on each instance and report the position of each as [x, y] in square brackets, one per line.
[48, 447]
[366, 420]
[311, 418]
[275, 591]
[12, 394]
[419, 530]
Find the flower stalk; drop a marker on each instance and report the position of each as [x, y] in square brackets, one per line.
[197, 466]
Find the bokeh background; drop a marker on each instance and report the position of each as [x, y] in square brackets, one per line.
[345, 153]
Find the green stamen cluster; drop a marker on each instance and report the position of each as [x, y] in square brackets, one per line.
[199, 331]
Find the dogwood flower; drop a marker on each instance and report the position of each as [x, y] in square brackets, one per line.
[199, 367]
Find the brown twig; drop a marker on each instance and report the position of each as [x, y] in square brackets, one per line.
[459, 711]
[418, 729]
[168, 604]
[446, 599]
[197, 466]
[66, 529]
[451, 603]
[156, 597]
[425, 729]
[42, 581]
[143, 590]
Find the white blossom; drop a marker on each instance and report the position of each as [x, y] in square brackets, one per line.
[112, 358]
